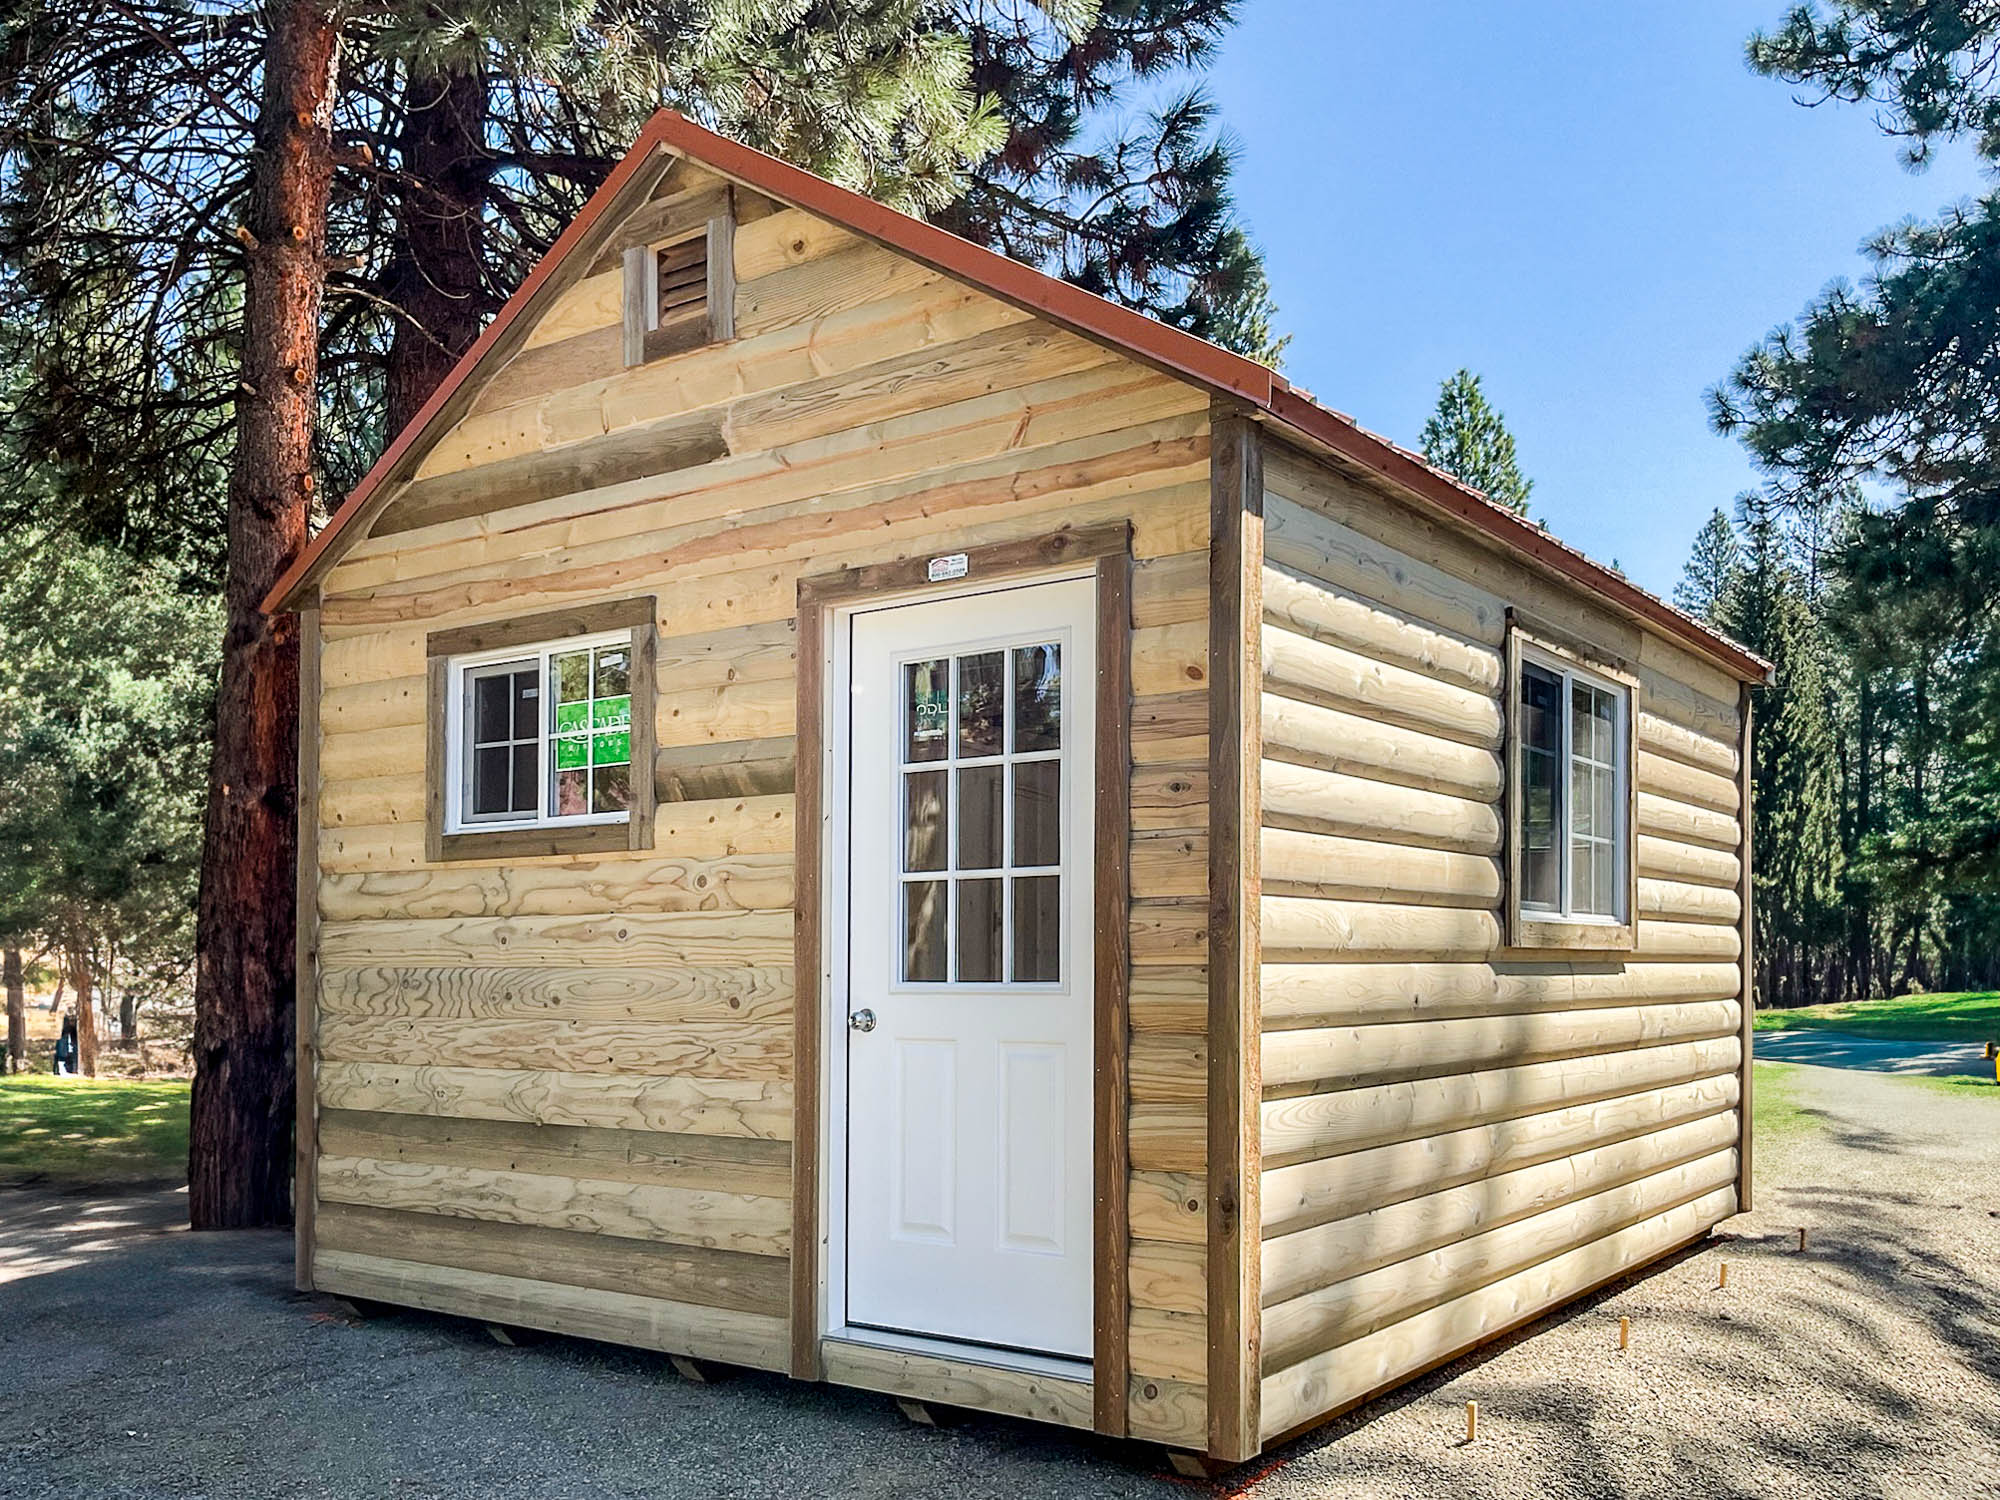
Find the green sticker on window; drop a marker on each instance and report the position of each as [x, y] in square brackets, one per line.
[572, 716]
[611, 713]
[612, 749]
[571, 754]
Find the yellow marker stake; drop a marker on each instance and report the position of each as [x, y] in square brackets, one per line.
[1724, 1281]
[1471, 1420]
[1624, 1333]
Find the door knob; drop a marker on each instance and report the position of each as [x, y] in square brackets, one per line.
[862, 1020]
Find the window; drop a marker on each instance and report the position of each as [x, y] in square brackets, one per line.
[682, 294]
[1571, 844]
[982, 788]
[540, 731]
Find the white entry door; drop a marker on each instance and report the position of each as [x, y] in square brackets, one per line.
[968, 907]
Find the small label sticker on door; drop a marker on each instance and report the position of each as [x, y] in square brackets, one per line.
[945, 568]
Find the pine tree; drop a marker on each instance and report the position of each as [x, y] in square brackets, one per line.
[1794, 759]
[1465, 436]
[1712, 570]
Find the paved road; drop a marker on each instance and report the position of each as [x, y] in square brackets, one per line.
[1836, 1049]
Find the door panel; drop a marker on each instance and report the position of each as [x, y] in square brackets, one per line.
[967, 897]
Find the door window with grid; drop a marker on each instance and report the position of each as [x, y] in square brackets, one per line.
[982, 784]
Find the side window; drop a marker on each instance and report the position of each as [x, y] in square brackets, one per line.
[542, 742]
[1571, 841]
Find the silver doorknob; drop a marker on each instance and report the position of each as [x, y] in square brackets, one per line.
[862, 1020]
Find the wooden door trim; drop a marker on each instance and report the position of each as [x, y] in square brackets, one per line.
[1109, 547]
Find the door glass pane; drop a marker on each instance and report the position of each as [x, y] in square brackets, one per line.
[1582, 873]
[1037, 697]
[927, 709]
[982, 708]
[1038, 929]
[923, 931]
[923, 820]
[1038, 812]
[978, 931]
[979, 817]
[1583, 804]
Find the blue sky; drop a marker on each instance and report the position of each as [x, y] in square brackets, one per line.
[1597, 207]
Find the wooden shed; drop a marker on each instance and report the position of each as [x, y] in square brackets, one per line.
[870, 814]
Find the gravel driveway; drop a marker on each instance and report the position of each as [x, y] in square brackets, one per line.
[137, 1359]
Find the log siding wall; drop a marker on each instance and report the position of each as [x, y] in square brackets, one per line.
[1455, 1136]
[558, 1091]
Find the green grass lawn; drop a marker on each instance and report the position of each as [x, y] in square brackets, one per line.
[1916, 1018]
[92, 1130]
[1775, 1101]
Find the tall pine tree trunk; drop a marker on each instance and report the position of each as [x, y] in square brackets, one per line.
[240, 1142]
[17, 1010]
[437, 272]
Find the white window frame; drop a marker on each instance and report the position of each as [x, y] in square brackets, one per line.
[1567, 672]
[541, 654]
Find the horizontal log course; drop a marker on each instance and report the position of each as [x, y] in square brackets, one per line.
[1169, 658]
[1665, 777]
[1170, 729]
[696, 1106]
[1297, 1197]
[1174, 1412]
[1305, 797]
[1169, 930]
[1665, 818]
[634, 1211]
[1355, 1370]
[1170, 796]
[1670, 741]
[1680, 901]
[1297, 863]
[1364, 994]
[1169, 862]
[1339, 1057]
[1297, 602]
[1168, 1207]
[737, 711]
[1299, 927]
[1170, 590]
[377, 655]
[642, 882]
[1321, 1125]
[682, 1273]
[720, 1334]
[1029, 1395]
[1171, 1000]
[365, 707]
[1314, 734]
[363, 756]
[702, 939]
[1168, 1137]
[1168, 1277]
[716, 1163]
[765, 651]
[1168, 1345]
[1167, 1069]
[725, 993]
[1300, 666]
[1687, 942]
[1326, 1254]
[693, 1049]
[1670, 859]
[732, 768]
[1310, 1324]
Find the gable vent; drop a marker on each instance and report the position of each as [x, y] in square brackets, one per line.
[681, 295]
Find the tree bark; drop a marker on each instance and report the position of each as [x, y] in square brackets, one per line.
[86, 1012]
[128, 1019]
[239, 1147]
[437, 273]
[17, 1010]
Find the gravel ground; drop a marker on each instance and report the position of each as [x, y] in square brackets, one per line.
[137, 1359]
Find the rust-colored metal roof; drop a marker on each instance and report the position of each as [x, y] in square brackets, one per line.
[1267, 393]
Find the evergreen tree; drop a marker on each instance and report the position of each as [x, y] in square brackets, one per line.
[1794, 759]
[1711, 572]
[1465, 436]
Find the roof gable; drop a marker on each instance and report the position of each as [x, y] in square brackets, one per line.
[531, 322]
